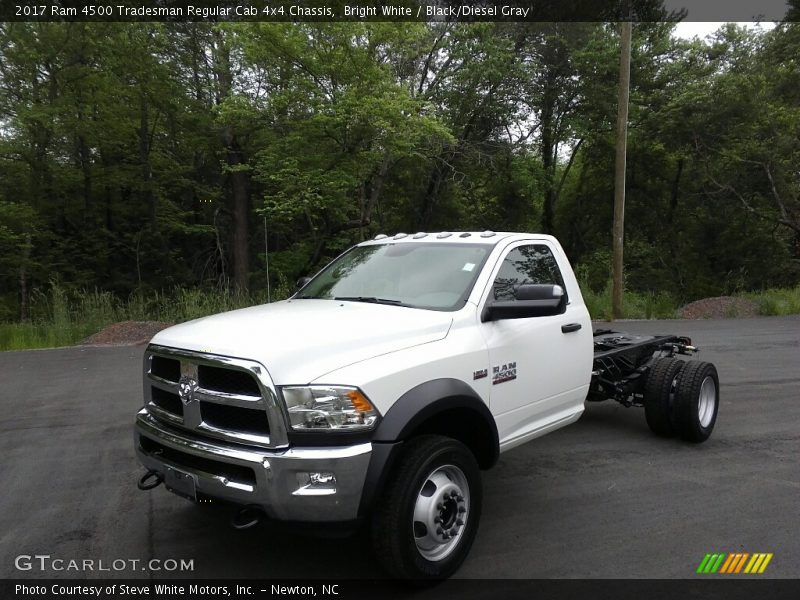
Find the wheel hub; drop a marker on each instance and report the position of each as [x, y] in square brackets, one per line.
[447, 515]
[440, 512]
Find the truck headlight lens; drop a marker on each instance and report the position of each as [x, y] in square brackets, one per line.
[320, 407]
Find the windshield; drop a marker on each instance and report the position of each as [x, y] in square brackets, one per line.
[435, 276]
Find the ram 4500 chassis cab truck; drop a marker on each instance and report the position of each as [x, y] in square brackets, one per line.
[384, 385]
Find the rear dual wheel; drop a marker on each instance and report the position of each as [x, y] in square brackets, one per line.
[682, 398]
[659, 396]
[697, 401]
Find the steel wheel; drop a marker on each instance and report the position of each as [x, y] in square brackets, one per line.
[441, 511]
[427, 516]
[707, 401]
[697, 400]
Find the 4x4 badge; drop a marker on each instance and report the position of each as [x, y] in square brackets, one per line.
[186, 389]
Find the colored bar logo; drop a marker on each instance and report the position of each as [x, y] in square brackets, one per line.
[736, 562]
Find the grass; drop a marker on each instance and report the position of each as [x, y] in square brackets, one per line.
[650, 305]
[637, 305]
[62, 319]
[776, 302]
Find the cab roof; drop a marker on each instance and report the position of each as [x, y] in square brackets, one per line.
[490, 238]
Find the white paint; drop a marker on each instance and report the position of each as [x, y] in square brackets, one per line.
[388, 350]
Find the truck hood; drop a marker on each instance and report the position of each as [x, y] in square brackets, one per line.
[299, 341]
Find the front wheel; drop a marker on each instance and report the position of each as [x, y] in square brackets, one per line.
[427, 517]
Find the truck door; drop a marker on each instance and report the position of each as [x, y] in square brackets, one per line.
[540, 366]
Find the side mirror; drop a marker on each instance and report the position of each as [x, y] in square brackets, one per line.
[538, 291]
[532, 300]
[301, 283]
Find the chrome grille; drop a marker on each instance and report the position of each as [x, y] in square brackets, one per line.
[227, 381]
[219, 397]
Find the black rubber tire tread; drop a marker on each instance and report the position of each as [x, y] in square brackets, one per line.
[391, 531]
[687, 396]
[658, 411]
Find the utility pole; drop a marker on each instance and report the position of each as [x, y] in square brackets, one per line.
[619, 169]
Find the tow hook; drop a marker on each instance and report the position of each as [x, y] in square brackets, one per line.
[246, 517]
[145, 482]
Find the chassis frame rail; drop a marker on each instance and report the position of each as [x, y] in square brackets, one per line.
[622, 362]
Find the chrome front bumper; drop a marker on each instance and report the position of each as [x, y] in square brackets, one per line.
[279, 481]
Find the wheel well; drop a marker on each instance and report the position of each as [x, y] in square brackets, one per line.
[466, 426]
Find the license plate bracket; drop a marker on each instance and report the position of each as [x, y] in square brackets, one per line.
[181, 483]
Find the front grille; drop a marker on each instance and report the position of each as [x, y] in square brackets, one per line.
[167, 401]
[215, 396]
[227, 381]
[166, 368]
[190, 461]
[233, 418]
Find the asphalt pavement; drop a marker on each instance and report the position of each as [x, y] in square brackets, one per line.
[603, 498]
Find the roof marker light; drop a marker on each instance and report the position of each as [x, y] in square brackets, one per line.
[465, 234]
[380, 236]
[488, 234]
[400, 236]
[419, 235]
[444, 234]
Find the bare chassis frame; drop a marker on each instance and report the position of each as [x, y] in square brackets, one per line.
[622, 362]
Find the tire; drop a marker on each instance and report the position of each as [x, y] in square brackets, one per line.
[659, 396]
[435, 478]
[697, 401]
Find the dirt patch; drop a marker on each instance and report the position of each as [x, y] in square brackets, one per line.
[126, 333]
[721, 307]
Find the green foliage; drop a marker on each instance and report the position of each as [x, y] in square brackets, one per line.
[636, 305]
[61, 318]
[134, 176]
[776, 301]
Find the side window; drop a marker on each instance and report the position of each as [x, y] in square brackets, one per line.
[534, 263]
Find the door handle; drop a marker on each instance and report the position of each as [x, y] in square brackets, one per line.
[570, 327]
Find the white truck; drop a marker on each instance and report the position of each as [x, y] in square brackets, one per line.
[387, 382]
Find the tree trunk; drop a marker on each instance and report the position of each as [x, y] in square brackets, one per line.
[429, 201]
[673, 202]
[548, 161]
[241, 212]
[619, 171]
[239, 178]
[23, 278]
[144, 161]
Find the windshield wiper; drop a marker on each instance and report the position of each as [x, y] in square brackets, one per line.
[371, 299]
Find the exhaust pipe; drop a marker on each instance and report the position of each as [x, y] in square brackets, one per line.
[150, 480]
[247, 517]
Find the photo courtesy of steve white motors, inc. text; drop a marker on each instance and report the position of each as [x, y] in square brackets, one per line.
[168, 589]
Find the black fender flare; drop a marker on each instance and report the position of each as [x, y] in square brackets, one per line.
[411, 410]
[422, 402]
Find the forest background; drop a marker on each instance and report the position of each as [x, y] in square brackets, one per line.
[148, 169]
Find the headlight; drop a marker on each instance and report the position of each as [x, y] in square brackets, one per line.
[319, 407]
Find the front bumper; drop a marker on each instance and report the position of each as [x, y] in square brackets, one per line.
[273, 480]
